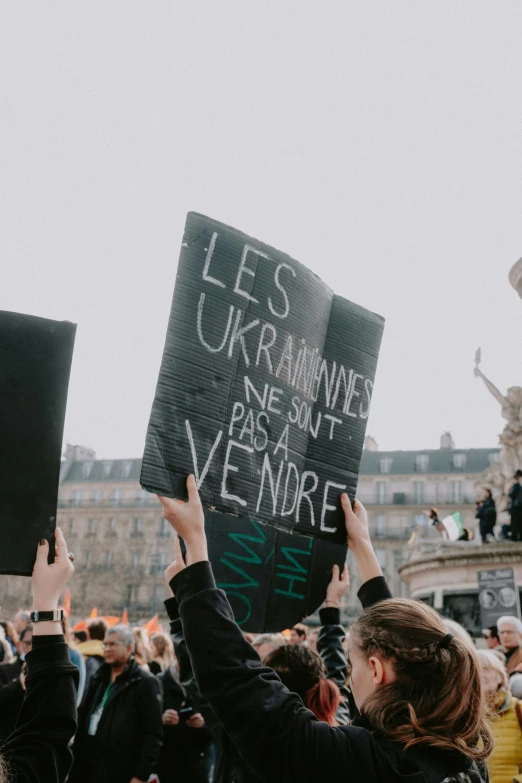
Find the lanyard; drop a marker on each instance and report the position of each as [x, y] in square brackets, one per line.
[105, 697]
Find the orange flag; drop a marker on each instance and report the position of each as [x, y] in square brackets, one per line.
[151, 626]
[125, 617]
[67, 602]
[94, 614]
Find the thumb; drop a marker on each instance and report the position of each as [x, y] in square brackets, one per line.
[42, 552]
[192, 489]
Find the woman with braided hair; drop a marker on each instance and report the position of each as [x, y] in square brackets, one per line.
[418, 688]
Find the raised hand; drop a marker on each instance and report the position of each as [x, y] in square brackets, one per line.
[48, 581]
[177, 564]
[188, 521]
[339, 586]
[356, 521]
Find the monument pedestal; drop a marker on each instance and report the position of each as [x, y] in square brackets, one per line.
[444, 574]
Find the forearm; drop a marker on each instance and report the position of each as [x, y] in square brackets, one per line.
[365, 559]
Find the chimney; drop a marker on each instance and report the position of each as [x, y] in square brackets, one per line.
[78, 453]
[446, 441]
[370, 444]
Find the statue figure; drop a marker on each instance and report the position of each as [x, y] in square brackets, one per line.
[499, 476]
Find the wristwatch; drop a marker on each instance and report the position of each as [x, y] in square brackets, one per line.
[55, 616]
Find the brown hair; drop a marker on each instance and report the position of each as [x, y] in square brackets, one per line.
[162, 650]
[97, 629]
[436, 698]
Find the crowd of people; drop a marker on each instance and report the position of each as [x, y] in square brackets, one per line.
[404, 694]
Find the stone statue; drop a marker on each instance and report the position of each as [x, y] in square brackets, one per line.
[499, 476]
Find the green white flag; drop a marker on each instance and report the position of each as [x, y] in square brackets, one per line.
[454, 525]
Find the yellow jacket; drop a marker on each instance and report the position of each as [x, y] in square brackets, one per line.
[505, 763]
[91, 647]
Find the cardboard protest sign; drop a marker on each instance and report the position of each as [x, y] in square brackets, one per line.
[498, 595]
[264, 388]
[35, 362]
[273, 580]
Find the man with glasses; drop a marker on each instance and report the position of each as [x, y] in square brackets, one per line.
[510, 632]
[120, 727]
[9, 672]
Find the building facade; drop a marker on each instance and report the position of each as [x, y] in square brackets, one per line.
[122, 544]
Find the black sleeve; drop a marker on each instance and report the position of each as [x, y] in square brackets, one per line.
[151, 727]
[38, 749]
[330, 648]
[275, 734]
[373, 591]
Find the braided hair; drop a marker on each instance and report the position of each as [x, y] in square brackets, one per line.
[303, 672]
[436, 697]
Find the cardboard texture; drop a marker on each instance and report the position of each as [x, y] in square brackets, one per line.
[273, 580]
[498, 595]
[264, 388]
[35, 362]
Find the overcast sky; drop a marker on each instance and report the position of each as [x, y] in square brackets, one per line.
[378, 143]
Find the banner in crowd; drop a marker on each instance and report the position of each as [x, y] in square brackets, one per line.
[265, 386]
[35, 362]
[498, 595]
[272, 579]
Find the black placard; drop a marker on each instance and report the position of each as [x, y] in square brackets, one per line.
[498, 595]
[35, 362]
[264, 388]
[272, 579]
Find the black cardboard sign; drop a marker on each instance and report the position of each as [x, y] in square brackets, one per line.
[264, 388]
[35, 362]
[273, 580]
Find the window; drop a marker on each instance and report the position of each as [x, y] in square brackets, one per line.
[92, 525]
[73, 528]
[126, 469]
[112, 530]
[459, 461]
[116, 497]
[456, 492]
[385, 465]
[133, 593]
[398, 558]
[422, 462]
[107, 469]
[380, 524]
[159, 562]
[86, 469]
[159, 593]
[418, 492]
[77, 498]
[381, 557]
[106, 560]
[135, 558]
[381, 488]
[137, 527]
[163, 528]
[88, 560]
[96, 497]
[141, 497]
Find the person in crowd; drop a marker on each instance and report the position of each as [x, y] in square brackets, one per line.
[120, 727]
[458, 631]
[437, 523]
[510, 633]
[186, 753]
[505, 763]
[265, 643]
[414, 723]
[76, 657]
[11, 636]
[79, 637]
[298, 634]
[515, 507]
[21, 621]
[492, 638]
[142, 653]
[38, 750]
[162, 652]
[487, 517]
[93, 650]
[311, 638]
[303, 672]
[6, 652]
[11, 671]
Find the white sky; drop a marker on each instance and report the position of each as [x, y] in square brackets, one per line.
[379, 143]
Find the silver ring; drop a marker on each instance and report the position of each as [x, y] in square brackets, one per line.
[71, 557]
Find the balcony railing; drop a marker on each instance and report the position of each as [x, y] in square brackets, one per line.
[426, 500]
[108, 503]
[397, 533]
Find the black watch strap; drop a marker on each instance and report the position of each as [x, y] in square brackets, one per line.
[55, 616]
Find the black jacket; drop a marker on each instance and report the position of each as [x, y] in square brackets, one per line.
[185, 755]
[330, 648]
[515, 500]
[11, 699]
[10, 671]
[276, 735]
[130, 732]
[38, 750]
